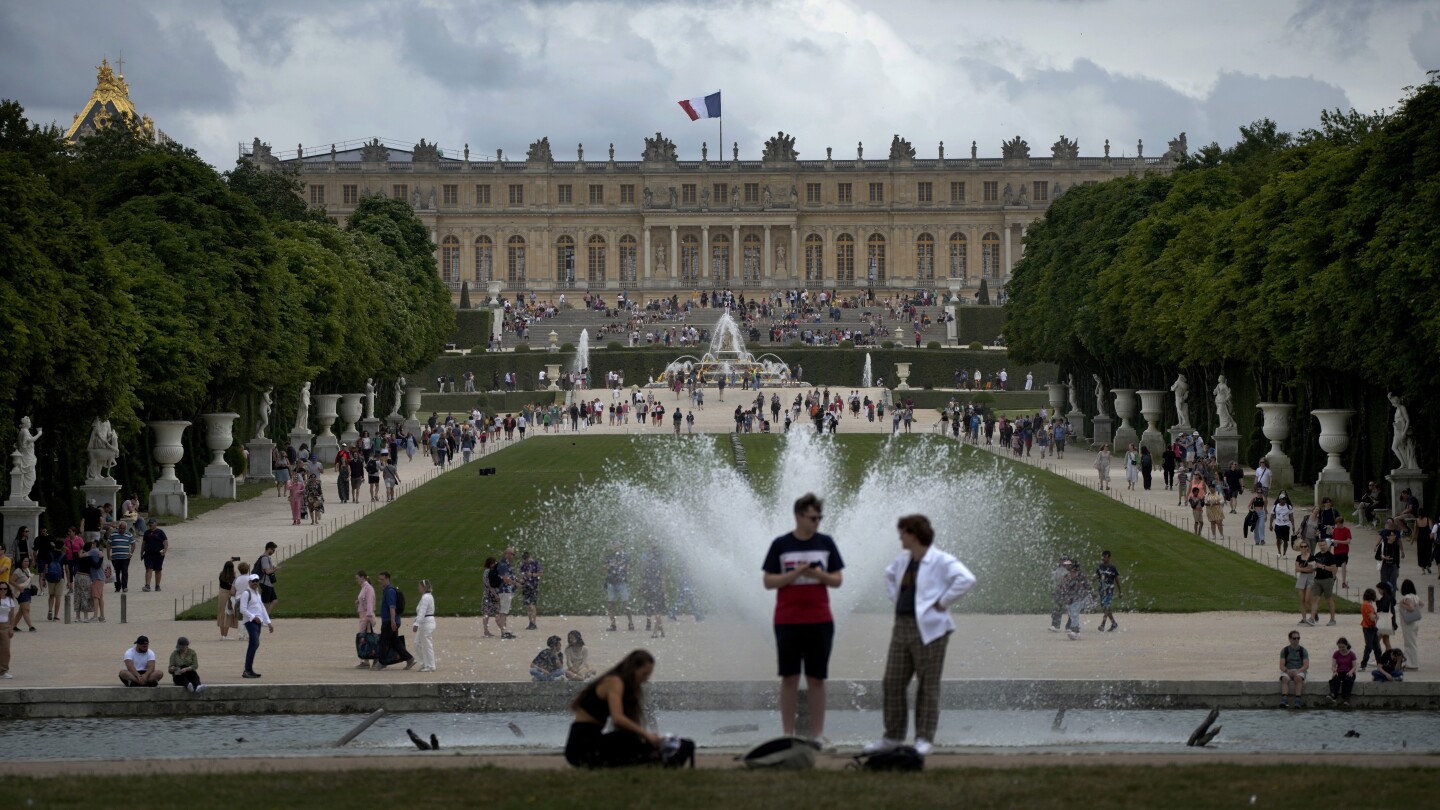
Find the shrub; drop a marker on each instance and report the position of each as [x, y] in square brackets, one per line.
[613, 346]
[934, 344]
[522, 348]
[977, 345]
[982, 398]
[984, 298]
[481, 349]
[887, 344]
[464, 295]
[567, 347]
[847, 344]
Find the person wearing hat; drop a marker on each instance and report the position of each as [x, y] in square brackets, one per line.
[139, 664]
[185, 666]
[254, 616]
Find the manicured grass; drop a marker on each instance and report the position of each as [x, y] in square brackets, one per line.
[1121, 786]
[445, 529]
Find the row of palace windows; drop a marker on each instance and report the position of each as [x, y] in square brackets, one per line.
[571, 264]
[690, 193]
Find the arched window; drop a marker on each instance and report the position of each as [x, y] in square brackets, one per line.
[515, 260]
[690, 260]
[752, 259]
[595, 260]
[814, 258]
[958, 253]
[629, 261]
[720, 259]
[875, 260]
[484, 259]
[925, 259]
[565, 261]
[845, 259]
[990, 255]
[450, 260]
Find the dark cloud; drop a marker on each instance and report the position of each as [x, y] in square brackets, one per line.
[1341, 24]
[1425, 43]
[1292, 102]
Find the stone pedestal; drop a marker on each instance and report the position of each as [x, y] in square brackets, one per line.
[350, 410]
[370, 425]
[412, 407]
[15, 514]
[1102, 425]
[1400, 479]
[1227, 448]
[552, 373]
[326, 446]
[1277, 429]
[219, 479]
[902, 373]
[1125, 435]
[1077, 425]
[302, 438]
[168, 496]
[395, 421]
[257, 467]
[1334, 480]
[1152, 407]
[100, 490]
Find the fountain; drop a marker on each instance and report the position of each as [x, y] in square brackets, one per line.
[728, 359]
[868, 375]
[582, 355]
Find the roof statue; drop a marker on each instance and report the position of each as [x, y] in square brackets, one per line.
[659, 149]
[425, 153]
[374, 152]
[1178, 150]
[900, 149]
[260, 153]
[780, 148]
[539, 152]
[1015, 149]
[1065, 149]
[109, 102]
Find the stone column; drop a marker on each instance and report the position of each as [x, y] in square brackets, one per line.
[326, 446]
[1277, 429]
[219, 479]
[168, 496]
[1125, 435]
[767, 265]
[674, 254]
[1152, 407]
[794, 263]
[646, 239]
[1005, 273]
[1334, 480]
[705, 267]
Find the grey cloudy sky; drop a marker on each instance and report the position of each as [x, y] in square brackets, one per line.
[501, 73]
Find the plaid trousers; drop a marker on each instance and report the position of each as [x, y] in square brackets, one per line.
[910, 657]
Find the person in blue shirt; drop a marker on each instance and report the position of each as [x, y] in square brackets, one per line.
[390, 626]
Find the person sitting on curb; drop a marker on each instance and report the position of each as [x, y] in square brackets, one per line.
[1391, 666]
[140, 665]
[1294, 663]
[549, 664]
[185, 666]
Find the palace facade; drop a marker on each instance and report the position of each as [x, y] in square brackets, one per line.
[661, 224]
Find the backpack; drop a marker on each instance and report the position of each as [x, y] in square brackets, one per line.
[399, 603]
[903, 758]
[782, 753]
[53, 571]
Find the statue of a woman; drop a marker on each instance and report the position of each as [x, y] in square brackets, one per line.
[370, 398]
[1224, 405]
[302, 410]
[1099, 396]
[1074, 395]
[399, 395]
[25, 445]
[1403, 445]
[1182, 400]
[267, 400]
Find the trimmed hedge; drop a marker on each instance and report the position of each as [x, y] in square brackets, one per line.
[472, 328]
[825, 366]
[977, 324]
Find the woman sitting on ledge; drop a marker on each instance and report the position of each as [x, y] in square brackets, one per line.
[615, 696]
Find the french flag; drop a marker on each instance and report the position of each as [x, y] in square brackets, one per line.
[703, 107]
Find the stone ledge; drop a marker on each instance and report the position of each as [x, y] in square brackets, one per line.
[67, 702]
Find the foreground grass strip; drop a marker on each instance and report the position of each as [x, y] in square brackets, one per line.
[1139, 787]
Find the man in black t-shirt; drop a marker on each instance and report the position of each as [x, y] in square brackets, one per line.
[1324, 585]
[1107, 576]
[154, 545]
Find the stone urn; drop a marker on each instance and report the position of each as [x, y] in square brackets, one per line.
[1334, 480]
[219, 479]
[412, 407]
[554, 340]
[351, 407]
[552, 373]
[493, 288]
[168, 496]
[1152, 407]
[1057, 397]
[899, 335]
[1276, 428]
[1125, 434]
[326, 446]
[902, 373]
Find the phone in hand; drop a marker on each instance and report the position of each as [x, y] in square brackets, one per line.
[816, 564]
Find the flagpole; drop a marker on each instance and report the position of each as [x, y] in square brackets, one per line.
[721, 119]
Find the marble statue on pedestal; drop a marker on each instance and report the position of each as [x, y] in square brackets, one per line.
[1403, 445]
[1099, 396]
[780, 261]
[103, 449]
[302, 409]
[1224, 406]
[370, 398]
[1074, 400]
[267, 400]
[660, 260]
[25, 446]
[399, 395]
[1181, 388]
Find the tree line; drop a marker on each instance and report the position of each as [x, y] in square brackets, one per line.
[1304, 267]
[137, 283]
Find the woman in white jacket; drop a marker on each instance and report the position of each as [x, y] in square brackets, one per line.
[424, 627]
[922, 582]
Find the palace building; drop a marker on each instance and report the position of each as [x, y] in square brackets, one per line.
[661, 224]
[110, 102]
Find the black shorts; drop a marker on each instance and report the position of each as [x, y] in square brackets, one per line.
[154, 562]
[804, 646]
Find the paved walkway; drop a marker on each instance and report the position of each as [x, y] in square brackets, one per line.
[1159, 646]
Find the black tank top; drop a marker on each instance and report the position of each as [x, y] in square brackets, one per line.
[594, 705]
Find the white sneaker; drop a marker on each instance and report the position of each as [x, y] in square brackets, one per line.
[1072, 635]
[823, 744]
[7, 676]
[200, 688]
[189, 687]
[881, 745]
[923, 747]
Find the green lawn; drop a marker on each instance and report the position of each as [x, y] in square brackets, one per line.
[1121, 786]
[445, 529]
